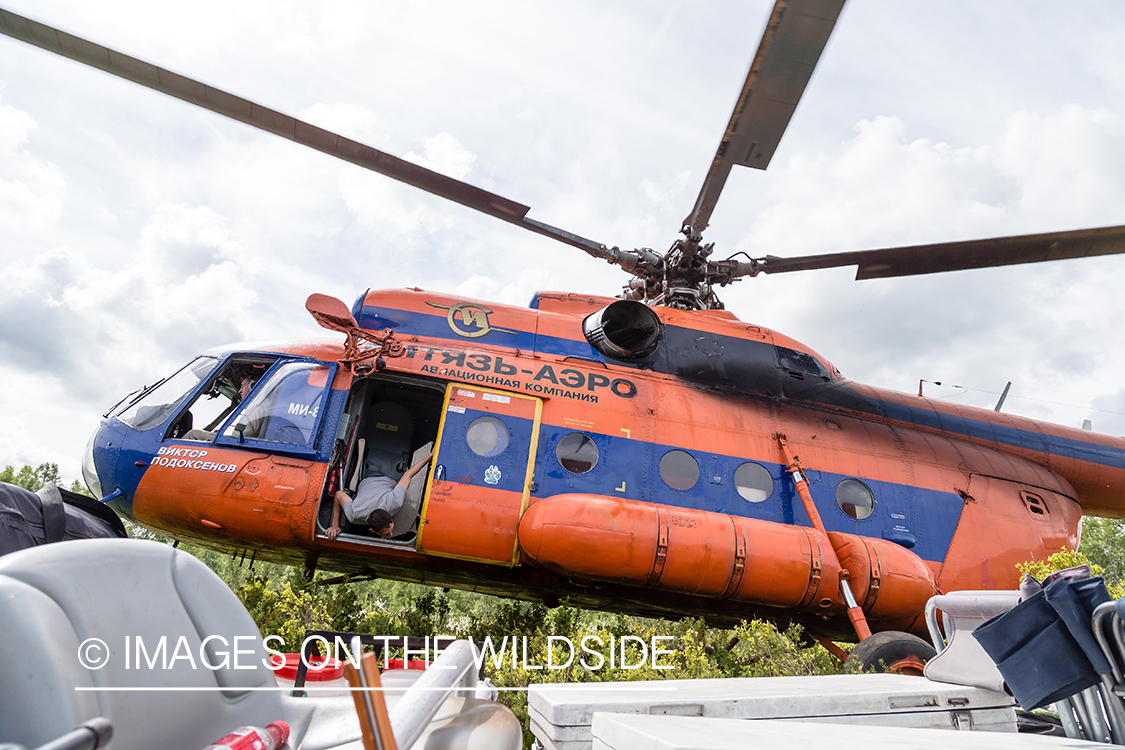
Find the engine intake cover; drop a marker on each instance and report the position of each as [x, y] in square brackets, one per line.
[623, 330]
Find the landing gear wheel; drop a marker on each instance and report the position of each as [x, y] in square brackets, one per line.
[890, 651]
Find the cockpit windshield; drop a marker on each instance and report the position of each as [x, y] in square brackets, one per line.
[153, 407]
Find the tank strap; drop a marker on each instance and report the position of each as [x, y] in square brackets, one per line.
[816, 568]
[739, 560]
[661, 546]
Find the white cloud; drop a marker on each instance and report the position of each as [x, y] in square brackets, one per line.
[444, 154]
[15, 126]
[351, 120]
[182, 241]
[1065, 162]
[105, 330]
[663, 192]
[103, 215]
[30, 189]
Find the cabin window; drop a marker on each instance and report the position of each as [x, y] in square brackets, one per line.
[753, 482]
[577, 453]
[679, 470]
[487, 436]
[153, 407]
[855, 498]
[286, 407]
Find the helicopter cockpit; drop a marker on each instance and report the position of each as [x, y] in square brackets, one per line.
[263, 402]
[252, 401]
[153, 407]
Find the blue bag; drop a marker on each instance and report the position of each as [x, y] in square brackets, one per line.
[1044, 647]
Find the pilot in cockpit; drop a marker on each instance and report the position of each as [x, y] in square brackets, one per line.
[245, 386]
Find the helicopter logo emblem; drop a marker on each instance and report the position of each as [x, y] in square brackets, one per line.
[469, 319]
[492, 474]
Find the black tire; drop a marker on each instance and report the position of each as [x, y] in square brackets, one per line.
[890, 651]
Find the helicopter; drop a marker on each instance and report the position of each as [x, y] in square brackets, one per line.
[638, 422]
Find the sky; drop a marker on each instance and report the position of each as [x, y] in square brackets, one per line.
[137, 231]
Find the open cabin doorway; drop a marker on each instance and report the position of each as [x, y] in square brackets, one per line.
[388, 420]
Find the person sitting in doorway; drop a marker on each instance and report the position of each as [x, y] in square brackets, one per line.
[376, 500]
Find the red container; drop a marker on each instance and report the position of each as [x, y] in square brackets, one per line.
[272, 736]
[405, 664]
[321, 669]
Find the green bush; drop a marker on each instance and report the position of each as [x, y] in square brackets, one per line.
[1040, 569]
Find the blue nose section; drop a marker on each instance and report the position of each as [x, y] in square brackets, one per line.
[104, 456]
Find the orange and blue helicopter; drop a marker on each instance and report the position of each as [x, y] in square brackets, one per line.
[649, 454]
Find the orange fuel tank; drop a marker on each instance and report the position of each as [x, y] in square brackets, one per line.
[890, 583]
[593, 537]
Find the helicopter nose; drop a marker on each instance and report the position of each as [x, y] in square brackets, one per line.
[99, 464]
[90, 468]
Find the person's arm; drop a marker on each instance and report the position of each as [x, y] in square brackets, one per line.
[338, 501]
[409, 473]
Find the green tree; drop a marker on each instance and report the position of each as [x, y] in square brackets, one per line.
[1103, 542]
[32, 479]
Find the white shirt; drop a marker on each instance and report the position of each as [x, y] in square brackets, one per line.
[374, 493]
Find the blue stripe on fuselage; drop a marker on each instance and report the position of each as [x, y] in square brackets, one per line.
[1004, 434]
[929, 516]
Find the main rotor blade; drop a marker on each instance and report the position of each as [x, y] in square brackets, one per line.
[795, 35]
[958, 256]
[271, 121]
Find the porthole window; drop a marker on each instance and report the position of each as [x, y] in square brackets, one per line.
[679, 470]
[855, 498]
[753, 482]
[577, 453]
[487, 436]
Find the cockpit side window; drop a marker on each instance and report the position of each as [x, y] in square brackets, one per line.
[286, 408]
[153, 408]
[202, 418]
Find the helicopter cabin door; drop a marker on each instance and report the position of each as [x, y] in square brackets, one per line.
[481, 476]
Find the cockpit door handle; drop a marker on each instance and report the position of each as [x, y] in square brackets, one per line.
[439, 473]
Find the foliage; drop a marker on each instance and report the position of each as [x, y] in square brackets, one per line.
[1063, 559]
[29, 478]
[1103, 542]
[33, 479]
[284, 603]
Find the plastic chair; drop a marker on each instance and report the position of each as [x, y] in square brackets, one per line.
[59, 596]
[961, 659]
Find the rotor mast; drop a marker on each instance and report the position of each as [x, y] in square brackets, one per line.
[794, 38]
